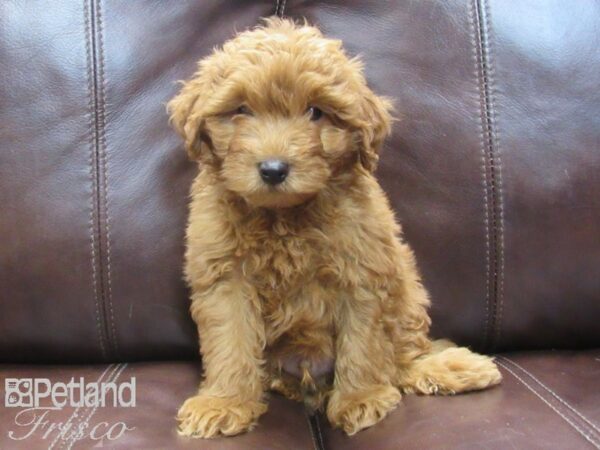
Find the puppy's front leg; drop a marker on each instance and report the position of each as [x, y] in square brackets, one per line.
[232, 339]
[362, 390]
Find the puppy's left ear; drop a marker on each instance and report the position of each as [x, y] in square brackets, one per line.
[376, 126]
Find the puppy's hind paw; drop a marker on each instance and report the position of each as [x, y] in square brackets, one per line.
[450, 371]
[206, 416]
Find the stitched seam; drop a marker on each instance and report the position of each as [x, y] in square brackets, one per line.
[84, 423]
[477, 56]
[491, 162]
[66, 438]
[100, 168]
[585, 435]
[73, 415]
[280, 7]
[310, 428]
[103, 149]
[318, 426]
[496, 157]
[560, 399]
[93, 172]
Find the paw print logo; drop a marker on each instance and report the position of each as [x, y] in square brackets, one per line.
[18, 392]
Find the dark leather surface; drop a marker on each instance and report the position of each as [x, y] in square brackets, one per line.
[547, 73]
[547, 400]
[47, 299]
[558, 409]
[493, 169]
[161, 388]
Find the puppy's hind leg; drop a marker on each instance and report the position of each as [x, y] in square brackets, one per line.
[425, 366]
[448, 369]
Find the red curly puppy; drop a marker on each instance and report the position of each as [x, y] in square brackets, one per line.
[295, 261]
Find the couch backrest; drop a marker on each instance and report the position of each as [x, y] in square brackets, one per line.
[494, 170]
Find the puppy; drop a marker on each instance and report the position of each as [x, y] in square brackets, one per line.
[295, 262]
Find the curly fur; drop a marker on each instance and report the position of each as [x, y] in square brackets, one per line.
[286, 278]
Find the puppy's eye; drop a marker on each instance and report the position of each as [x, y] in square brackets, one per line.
[243, 110]
[315, 113]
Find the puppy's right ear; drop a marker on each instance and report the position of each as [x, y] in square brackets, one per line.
[186, 118]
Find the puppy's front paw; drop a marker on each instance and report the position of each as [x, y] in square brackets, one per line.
[207, 416]
[354, 411]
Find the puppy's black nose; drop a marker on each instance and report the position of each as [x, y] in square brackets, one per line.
[273, 171]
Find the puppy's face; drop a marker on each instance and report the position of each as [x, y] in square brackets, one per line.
[279, 112]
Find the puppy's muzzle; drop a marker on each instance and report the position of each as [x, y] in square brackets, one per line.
[273, 171]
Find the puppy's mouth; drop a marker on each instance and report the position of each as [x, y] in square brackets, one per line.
[275, 197]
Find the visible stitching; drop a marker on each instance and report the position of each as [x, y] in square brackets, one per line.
[475, 40]
[493, 184]
[72, 431]
[103, 148]
[489, 161]
[564, 402]
[497, 159]
[65, 426]
[312, 432]
[318, 427]
[85, 422]
[586, 436]
[99, 156]
[93, 178]
[280, 7]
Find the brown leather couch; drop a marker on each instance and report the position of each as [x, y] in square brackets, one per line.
[494, 172]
